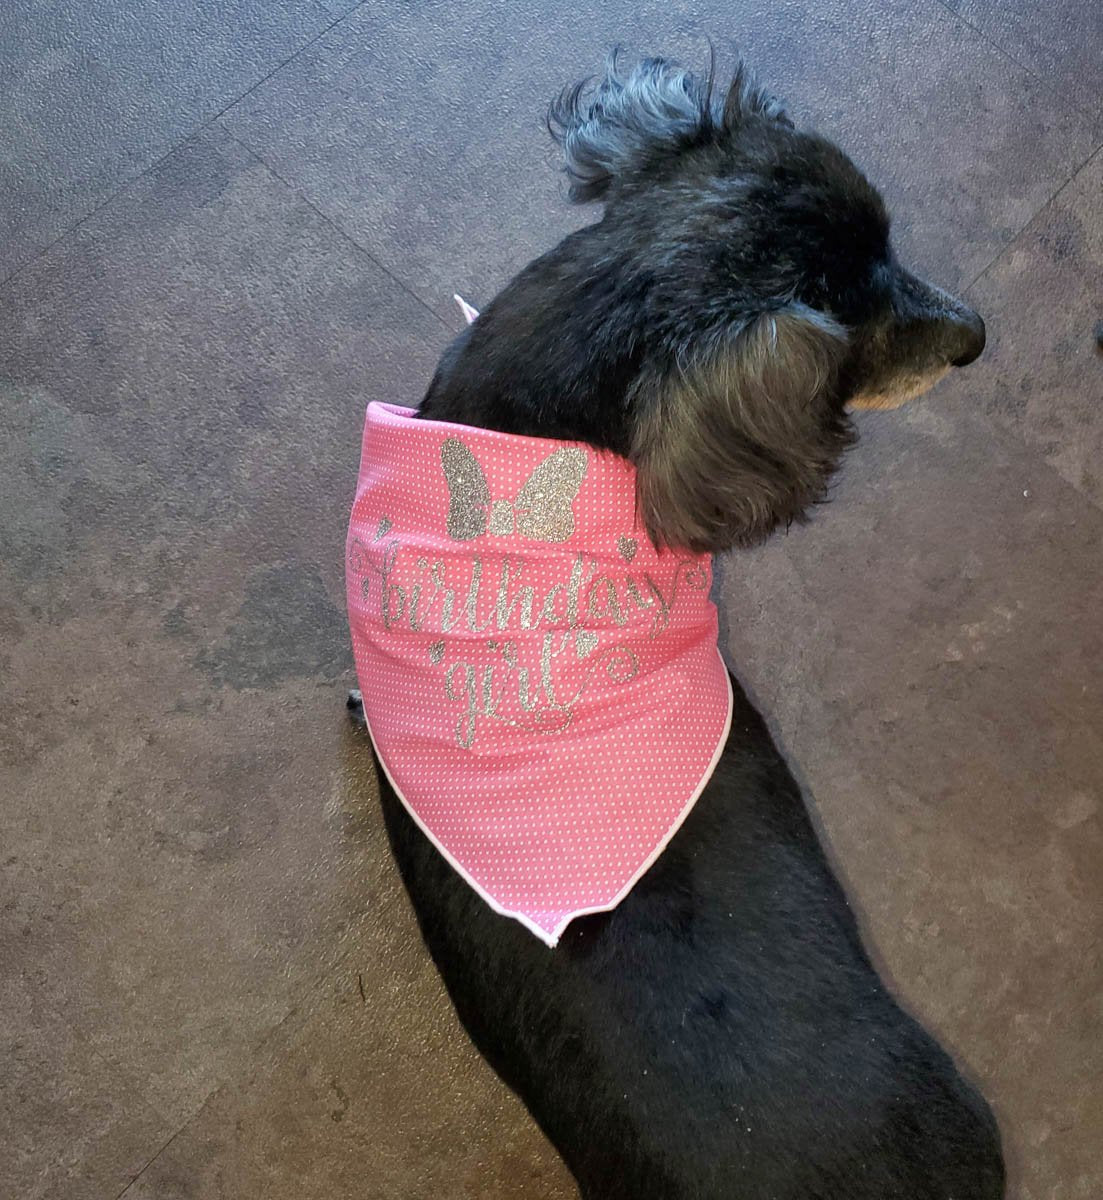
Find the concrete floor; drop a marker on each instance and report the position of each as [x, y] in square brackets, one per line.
[224, 228]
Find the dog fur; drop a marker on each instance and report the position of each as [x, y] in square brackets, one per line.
[722, 1033]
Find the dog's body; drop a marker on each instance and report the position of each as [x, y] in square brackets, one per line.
[721, 1034]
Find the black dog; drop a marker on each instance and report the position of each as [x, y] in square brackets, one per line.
[720, 1034]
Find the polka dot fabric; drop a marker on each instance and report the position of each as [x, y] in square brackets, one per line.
[543, 688]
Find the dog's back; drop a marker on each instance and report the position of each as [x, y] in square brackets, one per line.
[722, 1033]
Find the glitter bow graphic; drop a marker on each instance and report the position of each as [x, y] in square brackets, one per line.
[541, 511]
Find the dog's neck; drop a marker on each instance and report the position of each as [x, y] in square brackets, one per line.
[553, 356]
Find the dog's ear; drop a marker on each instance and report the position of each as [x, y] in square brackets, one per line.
[627, 123]
[740, 434]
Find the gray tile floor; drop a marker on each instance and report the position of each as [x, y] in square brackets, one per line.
[223, 229]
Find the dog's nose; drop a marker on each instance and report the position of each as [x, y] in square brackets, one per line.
[970, 336]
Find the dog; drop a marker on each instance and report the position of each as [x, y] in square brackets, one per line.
[720, 1033]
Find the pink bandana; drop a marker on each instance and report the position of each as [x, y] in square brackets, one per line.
[543, 688]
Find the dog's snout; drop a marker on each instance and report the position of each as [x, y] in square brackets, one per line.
[970, 338]
[956, 334]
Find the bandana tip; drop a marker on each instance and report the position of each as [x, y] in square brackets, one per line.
[470, 312]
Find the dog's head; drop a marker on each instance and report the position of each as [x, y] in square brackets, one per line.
[750, 269]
